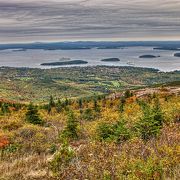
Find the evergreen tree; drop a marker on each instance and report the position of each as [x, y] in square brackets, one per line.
[51, 104]
[157, 111]
[128, 94]
[88, 115]
[80, 103]
[96, 106]
[59, 106]
[151, 123]
[32, 115]
[51, 101]
[66, 102]
[122, 104]
[117, 132]
[71, 129]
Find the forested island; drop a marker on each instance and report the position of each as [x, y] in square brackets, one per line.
[167, 48]
[148, 56]
[177, 55]
[111, 60]
[59, 63]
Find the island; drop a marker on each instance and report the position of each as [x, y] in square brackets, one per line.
[177, 55]
[148, 56]
[111, 60]
[167, 48]
[64, 63]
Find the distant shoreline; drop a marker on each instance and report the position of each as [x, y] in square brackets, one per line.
[84, 45]
[87, 67]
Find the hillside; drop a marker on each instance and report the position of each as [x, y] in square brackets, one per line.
[24, 84]
[127, 135]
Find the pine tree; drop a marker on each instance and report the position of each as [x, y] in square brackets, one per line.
[51, 104]
[96, 106]
[151, 123]
[128, 94]
[80, 103]
[66, 102]
[158, 114]
[71, 129]
[122, 104]
[51, 101]
[88, 114]
[59, 106]
[32, 115]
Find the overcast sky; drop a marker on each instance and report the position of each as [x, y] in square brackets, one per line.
[71, 20]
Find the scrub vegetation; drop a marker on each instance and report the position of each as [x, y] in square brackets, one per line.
[132, 135]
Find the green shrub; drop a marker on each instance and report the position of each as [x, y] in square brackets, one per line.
[5, 108]
[121, 132]
[105, 131]
[12, 148]
[62, 158]
[88, 114]
[53, 149]
[114, 132]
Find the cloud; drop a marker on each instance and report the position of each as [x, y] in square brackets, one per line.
[58, 20]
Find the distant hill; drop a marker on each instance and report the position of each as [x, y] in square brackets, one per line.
[161, 45]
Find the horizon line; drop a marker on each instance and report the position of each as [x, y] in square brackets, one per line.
[68, 41]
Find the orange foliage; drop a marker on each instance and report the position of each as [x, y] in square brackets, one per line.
[7, 101]
[12, 108]
[3, 142]
[131, 100]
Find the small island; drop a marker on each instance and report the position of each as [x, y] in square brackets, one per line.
[64, 63]
[148, 56]
[177, 55]
[111, 60]
[167, 48]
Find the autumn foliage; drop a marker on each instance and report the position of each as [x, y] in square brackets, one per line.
[3, 142]
[99, 137]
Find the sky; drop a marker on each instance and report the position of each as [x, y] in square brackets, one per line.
[99, 20]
